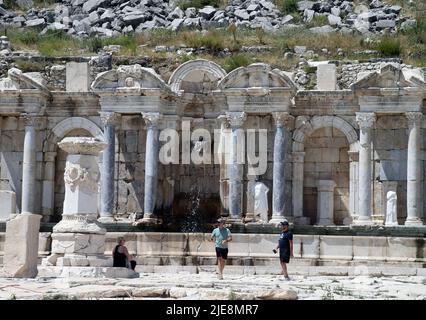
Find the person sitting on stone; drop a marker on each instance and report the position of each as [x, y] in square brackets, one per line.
[121, 256]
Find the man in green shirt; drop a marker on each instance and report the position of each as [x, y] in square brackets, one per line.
[221, 236]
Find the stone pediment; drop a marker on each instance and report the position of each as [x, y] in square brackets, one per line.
[258, 79]
[390, 76]
[17, 81]
[129, 79]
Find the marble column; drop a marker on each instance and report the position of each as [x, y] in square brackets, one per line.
[29, 165]
[298, 159]
[414, 170]
[236, 166]
[325, 206]
[365, 121]
[353, 187]
[221, 154]
[109, 120]
[151, 163]
[282, 120]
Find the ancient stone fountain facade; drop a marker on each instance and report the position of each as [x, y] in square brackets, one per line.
[335, 157]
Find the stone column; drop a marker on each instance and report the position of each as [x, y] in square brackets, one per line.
[414, 170]
[282, 120]
[365, 121]
[353, 187]
[325, 200]
[222, 151]
[109, 120]
[298, 159]
[29, 165]
[236, 166]
[151, 162]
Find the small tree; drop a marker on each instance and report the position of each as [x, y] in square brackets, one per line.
[233, 29]
[260, 34]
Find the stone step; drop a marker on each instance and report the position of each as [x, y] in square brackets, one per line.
[89, 272]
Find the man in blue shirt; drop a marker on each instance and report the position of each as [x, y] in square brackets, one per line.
[285, 244]
[221, 236]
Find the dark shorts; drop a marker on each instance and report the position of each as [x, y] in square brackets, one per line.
[221, 252]
[285, 256]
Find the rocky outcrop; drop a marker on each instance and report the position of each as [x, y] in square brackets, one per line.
[109, 18]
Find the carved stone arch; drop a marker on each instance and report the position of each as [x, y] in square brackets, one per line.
[204, 68]
[67, 125]
[256, 75]
[317, 122]
[129, 78]
[305, 129]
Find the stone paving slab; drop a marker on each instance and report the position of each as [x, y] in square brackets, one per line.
[205, 285]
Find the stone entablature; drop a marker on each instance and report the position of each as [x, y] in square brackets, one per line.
[312, 136]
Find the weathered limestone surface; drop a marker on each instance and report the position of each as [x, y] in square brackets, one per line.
[77, 77]
[8, 204]
[21, 246]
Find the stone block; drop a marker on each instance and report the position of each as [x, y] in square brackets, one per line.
[306, 246]
[261, 245]
[405, 249]
[80, 243]
[199, 244]
[326, 77]
[7, 204]
[21, 246]
[336, 247]
[77, 77]
[369, 248]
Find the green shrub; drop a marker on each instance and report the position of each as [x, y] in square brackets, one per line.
[236, 61]
[212, 40]
[185, 4]
[389, 47]
[317, 21]
[287, 6]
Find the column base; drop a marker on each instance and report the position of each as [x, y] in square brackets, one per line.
[416, 222]
[303, 221]
[363, 221]
[79, 224]
[277, 219]
[107, 219]
[391, 224]
[325, 222]
[148, 220]
[234, 221]
[250, 217]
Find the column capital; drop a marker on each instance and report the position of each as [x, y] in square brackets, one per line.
[353, 156]
[365, 120]
[223, 119]
[283, 119]
[236, 119]
[30, 119]
[151, 118]
[111, 118]
[414, 118]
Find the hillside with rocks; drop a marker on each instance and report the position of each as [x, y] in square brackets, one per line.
[110, 18]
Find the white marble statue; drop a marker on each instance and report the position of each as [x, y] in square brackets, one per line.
[391, 209]
[261, 201]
